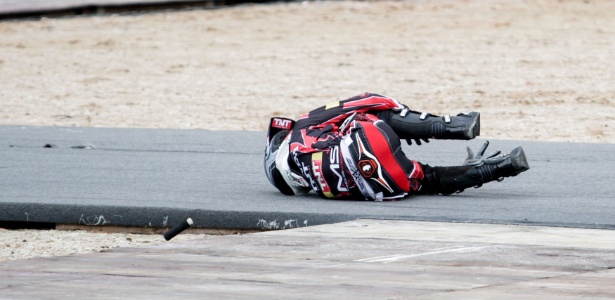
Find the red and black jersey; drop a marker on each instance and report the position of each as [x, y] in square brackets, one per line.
[345, 152]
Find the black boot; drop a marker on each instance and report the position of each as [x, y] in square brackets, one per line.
[448, 180]
[410, 124]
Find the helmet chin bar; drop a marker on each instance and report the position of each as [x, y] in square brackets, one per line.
[295, 181]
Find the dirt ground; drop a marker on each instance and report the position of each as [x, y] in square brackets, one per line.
[536, 70]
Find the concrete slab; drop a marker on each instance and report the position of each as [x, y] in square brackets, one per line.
[159, 177]
[363, 259]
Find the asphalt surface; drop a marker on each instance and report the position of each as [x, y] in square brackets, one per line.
[159, 177]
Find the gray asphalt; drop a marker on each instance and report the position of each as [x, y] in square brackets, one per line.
[159, 177]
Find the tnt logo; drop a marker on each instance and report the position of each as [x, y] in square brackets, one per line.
[282, 123]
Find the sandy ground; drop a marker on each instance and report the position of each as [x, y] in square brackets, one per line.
[24, 244]
[536, 70]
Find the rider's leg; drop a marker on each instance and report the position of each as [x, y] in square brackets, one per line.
[448, 180]
[410, 124]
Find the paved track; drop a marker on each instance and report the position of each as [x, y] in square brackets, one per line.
[153, 177]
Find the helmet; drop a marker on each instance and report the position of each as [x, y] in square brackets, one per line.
[277, 154]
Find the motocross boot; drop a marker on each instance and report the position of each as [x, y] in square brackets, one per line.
[474, 173]
[413, 125]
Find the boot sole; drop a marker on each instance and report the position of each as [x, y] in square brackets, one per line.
[474, 128]
[518, 160]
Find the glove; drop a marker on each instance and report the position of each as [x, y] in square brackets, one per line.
[478, 158]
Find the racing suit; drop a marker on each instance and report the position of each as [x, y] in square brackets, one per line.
[344, 151]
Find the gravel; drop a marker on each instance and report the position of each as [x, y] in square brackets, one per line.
[28, 243]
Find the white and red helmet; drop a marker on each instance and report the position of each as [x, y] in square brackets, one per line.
[277, 154]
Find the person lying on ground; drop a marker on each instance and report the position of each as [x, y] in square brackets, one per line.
[351, 149]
